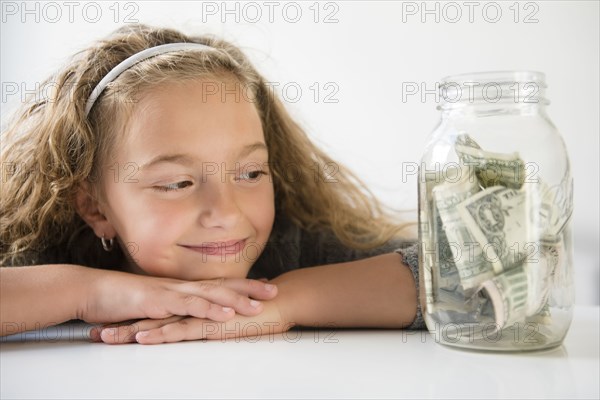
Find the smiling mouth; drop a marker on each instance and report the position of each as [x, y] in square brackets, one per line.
[219, 248]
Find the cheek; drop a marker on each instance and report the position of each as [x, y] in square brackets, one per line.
[152, 232]
[261, 212]
[145, 227]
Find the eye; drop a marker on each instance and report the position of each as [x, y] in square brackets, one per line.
[172, 186]
[252, 175]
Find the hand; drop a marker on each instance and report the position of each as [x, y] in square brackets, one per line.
[178, 328]
[118, 296]
[274, 319]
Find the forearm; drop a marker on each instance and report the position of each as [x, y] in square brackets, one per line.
[374, 292]
[38, 296]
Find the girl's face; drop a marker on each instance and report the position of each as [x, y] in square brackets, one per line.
[188, 189]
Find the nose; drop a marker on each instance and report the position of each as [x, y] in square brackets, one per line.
[219, 208]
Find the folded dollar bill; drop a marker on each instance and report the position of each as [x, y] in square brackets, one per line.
[491, 168]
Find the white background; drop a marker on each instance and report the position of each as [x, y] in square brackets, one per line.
[367, 52]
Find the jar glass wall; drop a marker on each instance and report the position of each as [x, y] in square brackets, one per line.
[495, 201]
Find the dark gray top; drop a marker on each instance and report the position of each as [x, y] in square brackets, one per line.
[289, 247]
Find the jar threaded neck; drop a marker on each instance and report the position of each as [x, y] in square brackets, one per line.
[496, 88]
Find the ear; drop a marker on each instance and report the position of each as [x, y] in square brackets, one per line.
[90, 210]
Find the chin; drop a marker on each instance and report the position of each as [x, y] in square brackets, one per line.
[206, 272]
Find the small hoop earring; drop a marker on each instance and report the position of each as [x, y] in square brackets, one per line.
[107, 245]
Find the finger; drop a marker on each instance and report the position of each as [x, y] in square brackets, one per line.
[248, 287]
[169, 300]
[184, 329]
[197, 329]
[194, 298]
[106, 333]
[208, 305]
[95, 334]
[116, 334]
[257, 289]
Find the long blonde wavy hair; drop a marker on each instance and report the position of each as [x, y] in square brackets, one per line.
[50, 148]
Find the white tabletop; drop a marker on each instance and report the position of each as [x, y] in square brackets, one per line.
[300, 364]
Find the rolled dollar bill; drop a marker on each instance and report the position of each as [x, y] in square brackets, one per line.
[539, 269]
[522, 292]
[508, 295]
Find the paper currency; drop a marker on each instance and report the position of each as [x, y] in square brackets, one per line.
[508, 294]
[540, 270]
[491, 168]
[495, 218]
[471, 265]
[504, 235]
[523, 291]
[553, 218]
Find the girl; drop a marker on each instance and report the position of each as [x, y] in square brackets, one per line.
[163, 184]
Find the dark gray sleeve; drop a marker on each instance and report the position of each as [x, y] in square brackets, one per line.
[410, 257]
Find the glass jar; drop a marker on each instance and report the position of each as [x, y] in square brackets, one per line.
[495, 201]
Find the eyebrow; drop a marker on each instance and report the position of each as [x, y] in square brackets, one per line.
[186, 159]
[251, 148]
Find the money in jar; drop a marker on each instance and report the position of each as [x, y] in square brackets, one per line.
[495, 204]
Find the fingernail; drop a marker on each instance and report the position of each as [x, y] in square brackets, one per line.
[227, 309]
[254, 303]
[95, 335]
[110, 331]
[141, 335]
[269, 287]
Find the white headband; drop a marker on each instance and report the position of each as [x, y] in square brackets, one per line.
[134, 59]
